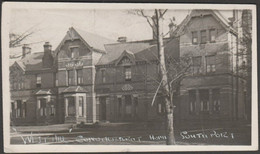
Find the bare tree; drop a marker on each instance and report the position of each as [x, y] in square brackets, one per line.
[18, 39]
[172, 70]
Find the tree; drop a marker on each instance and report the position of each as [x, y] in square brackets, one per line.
[17, 39]
[171, 70]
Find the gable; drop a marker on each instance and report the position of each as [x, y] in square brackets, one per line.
[126, 58]
[202, 14]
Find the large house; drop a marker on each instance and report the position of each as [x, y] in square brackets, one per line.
[89, 78]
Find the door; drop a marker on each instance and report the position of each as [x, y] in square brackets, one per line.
[128, 107]
[103, 108]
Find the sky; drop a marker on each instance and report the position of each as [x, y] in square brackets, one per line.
[52, 24]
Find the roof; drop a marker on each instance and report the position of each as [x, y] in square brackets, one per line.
[74, 89]
[31, 62]
[94, 41]
[171, 49]
[196, 13]
[44, 92]
[115, 50]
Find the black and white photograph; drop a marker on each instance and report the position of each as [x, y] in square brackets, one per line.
[126, 77]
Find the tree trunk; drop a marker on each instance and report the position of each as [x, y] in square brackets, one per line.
[165, 86]
[170, 129]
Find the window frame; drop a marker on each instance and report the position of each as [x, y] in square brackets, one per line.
[79, 78]
[73, 54]
[202, 37]
[212, 34]
[81, 104]
[103, 76]
[70, 82]
[194, 35]
[38, 81]
[210, 68]
[128, 73]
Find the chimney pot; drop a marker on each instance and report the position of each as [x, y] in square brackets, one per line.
[122, 39]
[47, 46]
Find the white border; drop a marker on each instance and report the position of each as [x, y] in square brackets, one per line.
[7, 6]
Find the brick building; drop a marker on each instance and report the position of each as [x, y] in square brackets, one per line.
[88, 78]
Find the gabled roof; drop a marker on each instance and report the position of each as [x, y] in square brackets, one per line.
[127, 53]
[115, 50]
[196, 13]
[171, 49]
[74, 89]
[31, 62]
[93, 41]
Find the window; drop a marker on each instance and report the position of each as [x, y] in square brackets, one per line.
[22, 85]
[13, 109]
[74, 52]
[210, 62]
[103, 76]
[204, 100]
[70, 77]
[24, 109]
[80, 76]
[128, 104]
[203, 36]
[19, 86]
[57, 79]
[212, 35]
[38, 81]
[119, 106]
[52, 108]
[216, 100]
[192, 101]
[194, 37]
[19, 108]
[81, 106]
[160, 105]
[128, 74]
[196, 65]
[43, 107]
[71, 106]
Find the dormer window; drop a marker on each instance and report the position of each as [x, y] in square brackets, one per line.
[74, 52]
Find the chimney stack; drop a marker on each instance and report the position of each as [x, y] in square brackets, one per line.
[26, 50]
[47, 47]
[122, 39]
[47, 59]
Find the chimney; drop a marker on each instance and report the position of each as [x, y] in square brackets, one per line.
[47, 47]
[47, 59]
[26, 50]
[122, 39]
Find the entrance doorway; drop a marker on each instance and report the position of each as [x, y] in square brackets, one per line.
[103, 108]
